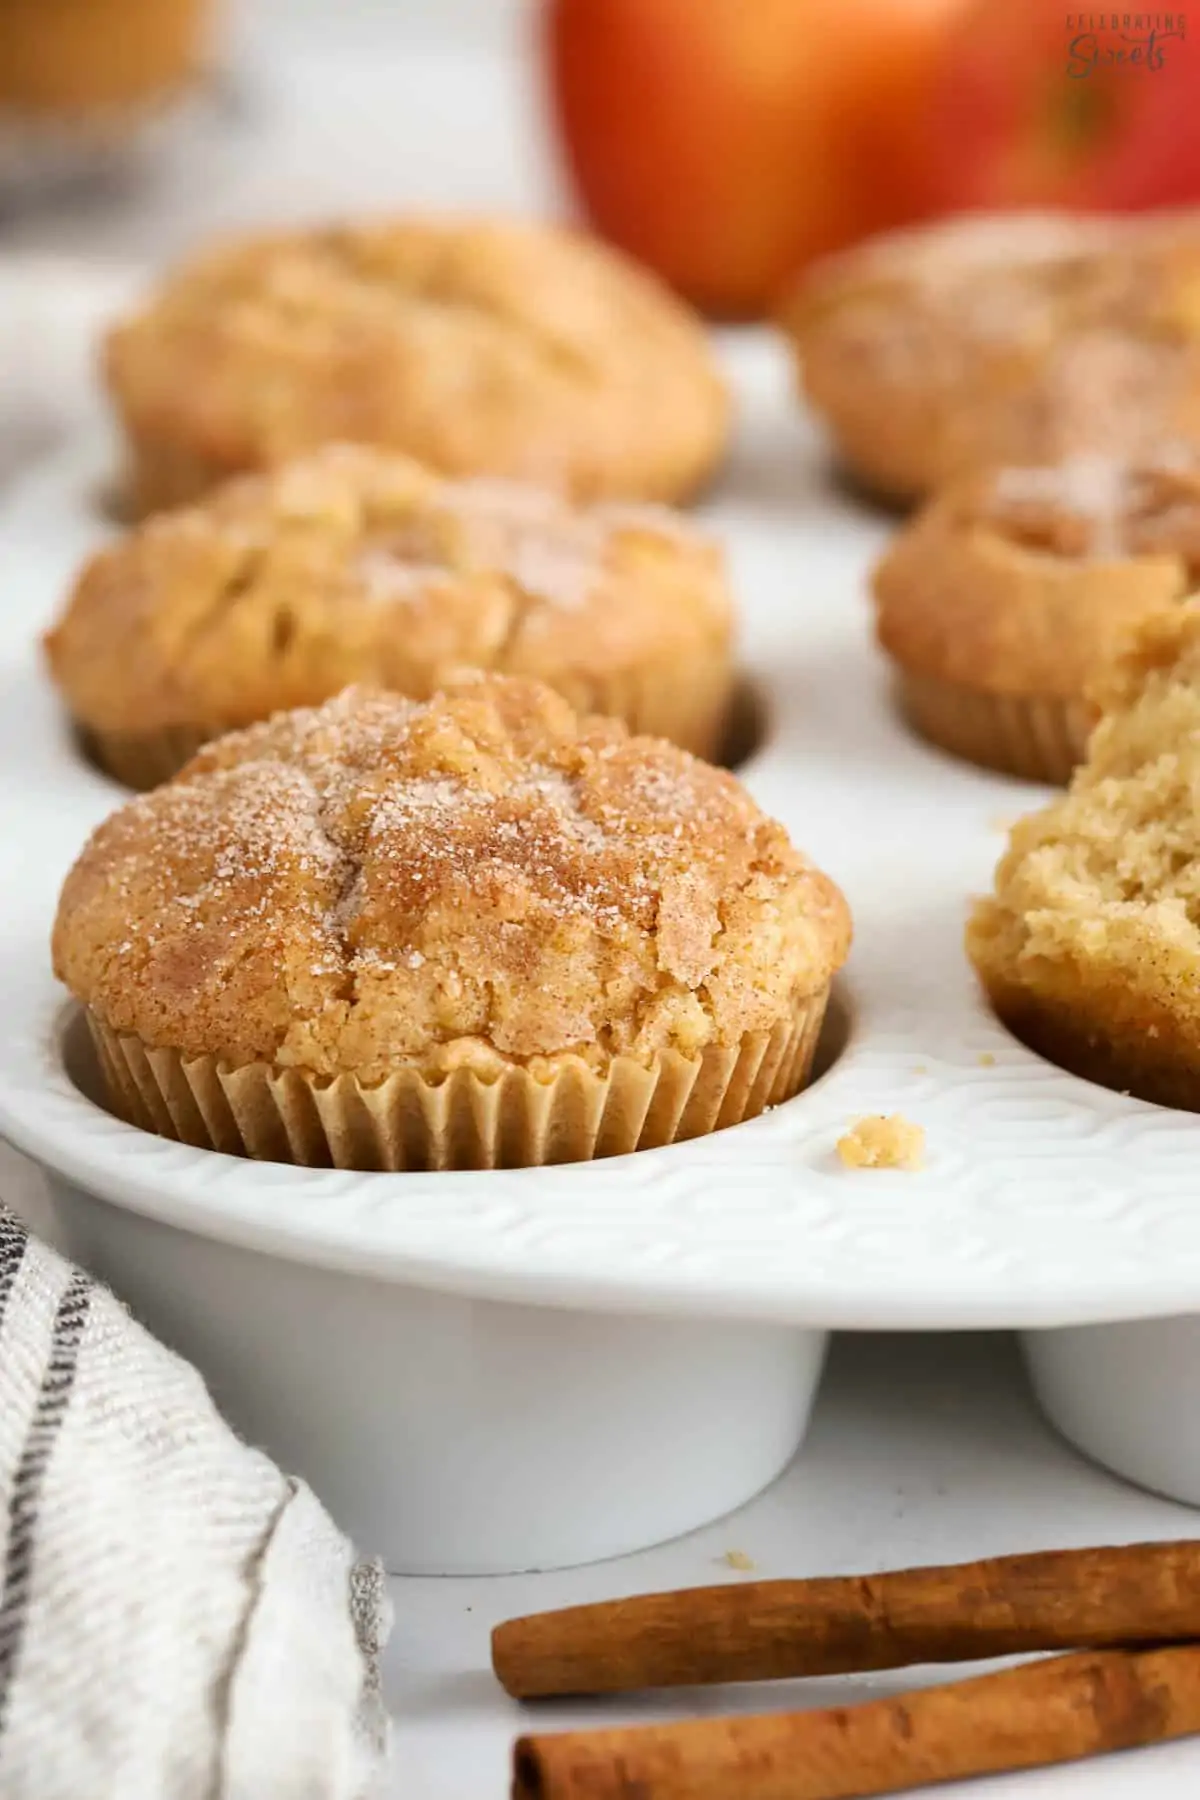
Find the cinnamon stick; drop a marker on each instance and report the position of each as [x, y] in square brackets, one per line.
[766, 1630]
[1053, 1711]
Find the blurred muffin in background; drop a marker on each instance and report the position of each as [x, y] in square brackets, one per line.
[1089, 946]
[73, 56]
[1011, 592]
[979, 341]
[80, 80]
[355, 565]
[475, 932]
[479, 346]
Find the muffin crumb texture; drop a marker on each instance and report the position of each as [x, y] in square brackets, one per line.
[879, 1142]
[1089, 947]
[475, 880]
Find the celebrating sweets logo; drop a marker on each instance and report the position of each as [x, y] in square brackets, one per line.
[1109, 40]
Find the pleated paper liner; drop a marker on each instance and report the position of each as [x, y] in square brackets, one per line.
[1039, 737]
[690, 704]
[460, 1121]
[143, 759]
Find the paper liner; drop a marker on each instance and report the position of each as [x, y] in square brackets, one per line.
[143, 759]
[1150, 1067]
[1040, 738]
[459, 1121]
[692, 705]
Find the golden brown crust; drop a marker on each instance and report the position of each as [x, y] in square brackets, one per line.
[1090, 946]
[1025, 581]
[482, 879]
[879, 1142]
[1143, 1053]
[356, 566]
[478, 346]
[932, 357]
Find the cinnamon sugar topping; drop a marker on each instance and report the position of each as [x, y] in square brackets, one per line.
[377, 878]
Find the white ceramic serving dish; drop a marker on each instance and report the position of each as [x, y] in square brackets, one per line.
[500, 1371]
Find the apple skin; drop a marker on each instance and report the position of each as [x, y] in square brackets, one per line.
[725, 143]
[1026, 108]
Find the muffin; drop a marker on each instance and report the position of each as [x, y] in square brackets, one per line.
[1090, 947]
[480, 347]
[359, 566]
[90, 87]
[1008, 595]
[980, 343]
[475, 931]
[76, 57]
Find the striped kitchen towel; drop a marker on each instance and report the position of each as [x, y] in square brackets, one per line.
[178, 1620]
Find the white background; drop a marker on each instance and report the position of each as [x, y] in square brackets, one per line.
[925, 1449]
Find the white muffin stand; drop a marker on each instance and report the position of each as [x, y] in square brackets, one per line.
[488, 1372]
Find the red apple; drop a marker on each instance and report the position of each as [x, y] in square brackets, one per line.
[726, 142]
[1034, 102]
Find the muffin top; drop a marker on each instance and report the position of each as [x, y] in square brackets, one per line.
[1026, 357]
[359, 566]
[479, 346]
[479, 878]
[1096, 907]
[1028, 579]
[1095, 507]
[987, 279]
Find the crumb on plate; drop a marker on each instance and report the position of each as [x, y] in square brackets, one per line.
[876, 1142]
[737, 1559]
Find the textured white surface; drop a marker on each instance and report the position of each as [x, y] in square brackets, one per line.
[1045, 1201]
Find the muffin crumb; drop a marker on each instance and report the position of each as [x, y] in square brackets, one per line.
[737, 1559]
[883, 1142]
